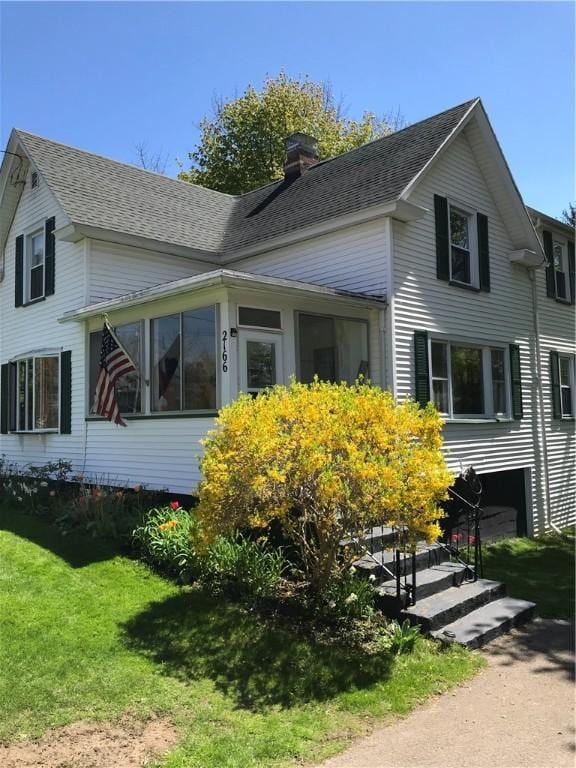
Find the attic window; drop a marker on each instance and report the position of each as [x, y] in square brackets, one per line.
[34, 180]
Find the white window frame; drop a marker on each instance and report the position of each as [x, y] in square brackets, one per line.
[569, 386]
[30, 359]
[558, 240]
[36, 232]
[472, 241]
[488, 394]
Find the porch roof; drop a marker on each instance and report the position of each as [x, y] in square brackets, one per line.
[229, 278]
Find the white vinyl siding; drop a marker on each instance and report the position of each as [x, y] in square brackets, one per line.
[352, 259]
[557, 334]
[118, 269]
[28, 331]
[496, 318]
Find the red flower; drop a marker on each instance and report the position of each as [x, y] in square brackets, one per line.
[456, 537]
[471, 539]
[174, 505]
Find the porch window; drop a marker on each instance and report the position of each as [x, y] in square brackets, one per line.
[332, 348]
[35, 392]
[469, 380]
[128, 387]
[184, 361]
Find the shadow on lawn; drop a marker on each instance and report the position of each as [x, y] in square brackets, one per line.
[75, 549]
[541, 570]
[253, 660]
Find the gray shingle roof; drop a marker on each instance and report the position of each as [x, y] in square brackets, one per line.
[99, 192]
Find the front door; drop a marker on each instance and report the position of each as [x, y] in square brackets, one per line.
[260, 360]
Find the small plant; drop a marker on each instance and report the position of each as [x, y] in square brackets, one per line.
[104, 510]
[165, 539]
[243, 567]
[398, 638]
[349, 596]
[33, 487]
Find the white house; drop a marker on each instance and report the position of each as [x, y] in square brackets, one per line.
[412, 260]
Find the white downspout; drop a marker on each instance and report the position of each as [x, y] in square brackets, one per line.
[540, 397]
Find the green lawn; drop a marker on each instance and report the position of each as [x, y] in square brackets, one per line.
[540, 570]
[88, 634]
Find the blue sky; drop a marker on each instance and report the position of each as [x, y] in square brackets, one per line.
[108, 76]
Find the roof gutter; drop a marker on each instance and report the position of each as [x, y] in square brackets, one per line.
[74, 232]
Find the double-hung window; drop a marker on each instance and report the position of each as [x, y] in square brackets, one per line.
[468, 380]
[35, 266]
[566, 377]
[35, 388]
[562, 382]
[463, 260]
[560, 260]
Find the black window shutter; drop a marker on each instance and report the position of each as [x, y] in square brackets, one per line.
[549, 253]
[442, 238]
[555, 383]
[50, 256]
[66, 393]
[421, 368]
[483, 251]
[19, 272]
[516, 381]
[4, 398]
[571, 272]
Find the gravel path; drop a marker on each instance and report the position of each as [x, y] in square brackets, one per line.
[518, 712]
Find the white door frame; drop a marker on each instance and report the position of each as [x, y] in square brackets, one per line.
[265, 337]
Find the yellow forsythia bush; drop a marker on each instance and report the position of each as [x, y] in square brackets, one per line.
[326, 461]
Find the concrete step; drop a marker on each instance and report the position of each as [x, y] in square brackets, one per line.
[427, 555]
[374, 539]
[429, 581]
[486, 623]
[445, 607]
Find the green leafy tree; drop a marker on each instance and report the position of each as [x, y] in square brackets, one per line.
[242, 145]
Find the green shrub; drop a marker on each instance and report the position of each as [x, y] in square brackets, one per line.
[398, 638]
[349, 596]
[324, 462]
[243, 567]
[165, 539]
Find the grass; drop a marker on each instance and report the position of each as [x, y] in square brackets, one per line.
[88, 634]
[540, 570]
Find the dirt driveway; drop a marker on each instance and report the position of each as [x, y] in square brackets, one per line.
[518, 712]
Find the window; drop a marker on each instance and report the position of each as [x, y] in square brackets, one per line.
[566, 378]
[128, 387]
[469, 381]
[560, 259]
[35, 392]
[461, 257]
[332, 348]
[34, 179]
[259, 318]
[184, 361]
[35, 266]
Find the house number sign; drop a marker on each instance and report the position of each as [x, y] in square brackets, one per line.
[224, 352]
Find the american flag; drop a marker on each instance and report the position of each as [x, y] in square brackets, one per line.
[114, 363]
